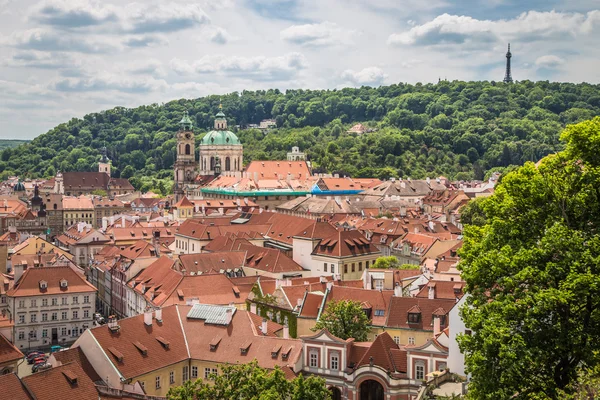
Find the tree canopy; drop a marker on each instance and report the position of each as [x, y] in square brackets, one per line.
[532, 272]
[344, 319]
[391, 262]
[251, 382]
[457, 129]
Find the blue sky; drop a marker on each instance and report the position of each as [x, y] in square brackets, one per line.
[64, 58]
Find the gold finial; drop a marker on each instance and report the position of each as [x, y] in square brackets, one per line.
[220, 106]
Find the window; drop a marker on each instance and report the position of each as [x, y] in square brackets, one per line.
[172, 377]
[33, 303]
[54, 316]
[324, 267]
[186, 372]
[64, 315]
[419, 371]
[353, 267]
[157, 382]
[75, 300]
[214, 371]
[21, 319]
[397, 339]
[345, 268]
[64, 301]
[44, 333]
[74, 332]
[44, 302]
[332, 269]
[206, 373]
[314, 359]
[411, 340]
[367, 264]
[414, 318]
[441, 366]
[194, 372]
[55, 301]
[44, 317]
[360, 266]
[33, 335]
[33, 317]
[75, 315]
[334, 361]
[379, 284]
[21, 335]
[21, 303]
[379, 313]
[63, 332]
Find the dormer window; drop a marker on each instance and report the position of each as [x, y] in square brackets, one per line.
[43, 285]
[64, 284]
[414, 318]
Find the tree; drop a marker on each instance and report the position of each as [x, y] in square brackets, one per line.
[344, 319]
[532, 275]
[99, 192]
[390, 262]
[251, 382]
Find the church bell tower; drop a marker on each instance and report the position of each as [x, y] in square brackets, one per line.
[185, 164]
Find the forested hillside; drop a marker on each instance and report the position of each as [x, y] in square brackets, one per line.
[458, 129]
[6, 143]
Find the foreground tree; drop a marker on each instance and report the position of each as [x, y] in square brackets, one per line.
[532, 273]
[251, 382]
[344, 319]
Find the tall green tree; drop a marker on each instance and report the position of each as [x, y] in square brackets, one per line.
[532, 272]
[251, 382]
[344, 319]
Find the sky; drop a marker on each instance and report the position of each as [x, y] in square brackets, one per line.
[61, 59]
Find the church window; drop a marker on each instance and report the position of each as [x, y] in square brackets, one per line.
[187, 149]
[212, 163]
[227, 164]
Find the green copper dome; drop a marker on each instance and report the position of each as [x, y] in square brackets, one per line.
[220, 138]
[19, 187]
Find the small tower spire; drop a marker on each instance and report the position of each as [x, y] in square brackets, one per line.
[508, 75]
[186, 123]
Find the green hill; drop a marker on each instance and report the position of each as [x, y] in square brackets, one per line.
[457, 129]
[7, 143]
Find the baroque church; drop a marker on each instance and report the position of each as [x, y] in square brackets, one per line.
[220, 150]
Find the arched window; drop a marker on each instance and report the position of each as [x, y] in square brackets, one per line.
[204, 163]
[227, 164]
[187, 149]
[212, 163]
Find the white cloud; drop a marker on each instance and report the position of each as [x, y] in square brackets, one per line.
[218, 35]
[321, 34]
[258, 67]
[73, 13]
[165, 17]
[370, 76]
[109, 82]
[549, 61]
[41, 60]
[151, 40]
[47, 40]
[150, 67]
[527, 27]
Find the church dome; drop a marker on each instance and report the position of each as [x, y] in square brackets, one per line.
[19, 187]
[220, 138]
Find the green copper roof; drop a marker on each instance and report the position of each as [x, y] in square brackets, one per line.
[186, 120]
[220, 138]
[220, 115]
[19, 187]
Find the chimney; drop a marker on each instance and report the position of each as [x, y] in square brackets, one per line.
[148, 318]
[366, 283]
[286, 329]
[104, 223]
[228, 315]
[436, 325]
[299, 303]
[398, 290]
[329, 285]
[111, 220]
[322, 279]
[431, 294]
[264, 326]
[253, 308]
[158, 315]
[123, 221]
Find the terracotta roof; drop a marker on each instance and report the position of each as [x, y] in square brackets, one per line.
[68, 381]
[274, 169]
[272, 326]
[75, 354]
[401, 306]
[208, 289]
[142, 233]
[380, 353]
[269, 260]
[77, 203]
[142, 249]
[211, 262]
[311, 305]
[8, 352]
[12, 388]
[345, 244]
[404, 188]
[29, 283]
[184, 202]
[157, 282]
[132, 330]
[443, 290]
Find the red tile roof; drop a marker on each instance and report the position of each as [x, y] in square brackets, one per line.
[8, 352]
[69, 381]
[76, 355]
[12, 388]
[184, 202]
[443, 290]
[345, 244]
[378, 300]
[211, 262]
[208, 289]
[157, 282]
[275, 169]
[401, 306]
[311, 305]
[29, 283]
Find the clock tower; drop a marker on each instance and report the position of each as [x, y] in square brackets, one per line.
[185, 164]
